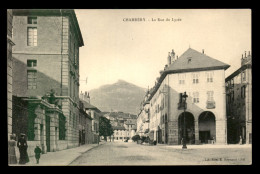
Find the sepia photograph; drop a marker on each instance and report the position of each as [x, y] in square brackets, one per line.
[129, 87]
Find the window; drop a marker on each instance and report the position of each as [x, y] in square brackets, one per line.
[32, 36]
[243, 91]
[195, 78]
[195, 97]
[62, 130]
[32, 20]
[31, 63]
[31, 79]
[232, 96]
[210, 95]
[75, 54]
[244, 76]
[181, 78]
[209, 77]
[232, 82]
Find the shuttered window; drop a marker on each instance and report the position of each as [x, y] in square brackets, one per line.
[32, 36]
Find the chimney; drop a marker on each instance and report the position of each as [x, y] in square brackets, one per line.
[202, 51]
[248, 53]
[165, 67]
[242, 56]
[86, 97]
[245, 54]
[169, 58]
[173, 56]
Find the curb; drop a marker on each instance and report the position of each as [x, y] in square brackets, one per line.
[83, 152]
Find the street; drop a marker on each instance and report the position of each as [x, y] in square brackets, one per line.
[121, 153]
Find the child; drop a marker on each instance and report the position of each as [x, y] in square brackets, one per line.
[37, 152]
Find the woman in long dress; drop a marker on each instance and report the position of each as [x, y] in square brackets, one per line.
[22, 145]
[11, 150]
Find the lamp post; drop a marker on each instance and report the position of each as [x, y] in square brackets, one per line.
[184, 124]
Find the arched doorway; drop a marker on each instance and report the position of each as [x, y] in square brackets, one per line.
[207, 127]
[189, 123]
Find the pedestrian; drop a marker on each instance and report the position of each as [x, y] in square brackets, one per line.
[240, 141]
[22, 145]
[37, 152]
[11, 150]
[213, 140]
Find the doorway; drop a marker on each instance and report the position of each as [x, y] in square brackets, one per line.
[207, 127]
[48, 133]
[204, 136]
[189, 125]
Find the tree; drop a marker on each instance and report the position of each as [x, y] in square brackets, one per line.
[105, 127]
[136, 138]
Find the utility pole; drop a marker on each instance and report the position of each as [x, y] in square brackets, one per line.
[184, 124]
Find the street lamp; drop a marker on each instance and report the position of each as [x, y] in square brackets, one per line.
[184, 126]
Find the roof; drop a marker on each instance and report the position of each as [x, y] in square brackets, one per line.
[119, 128]
[199, 61]
[130, 121]
[238, 71]
[89, 106]
[53, 12]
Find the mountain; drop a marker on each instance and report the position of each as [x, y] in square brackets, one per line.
[120, 96]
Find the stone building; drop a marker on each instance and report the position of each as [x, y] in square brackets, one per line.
[95, 114]
[85, 124]
[45, 63]
[120, 133]
[239, 102]
[10, 44]
[143, 117]
[203, 79]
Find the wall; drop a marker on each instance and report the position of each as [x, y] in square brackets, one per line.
[173, 89]
[9, 70]
[54, 63]
[218, 86]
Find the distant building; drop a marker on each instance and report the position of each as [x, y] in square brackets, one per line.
[85, 126]
[144, 117]
[46, 60]
[10, 44]
[203, 79]
[95, 114]
[120, 133]
[239, 102]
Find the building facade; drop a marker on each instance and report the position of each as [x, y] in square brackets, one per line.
[143, 118]
[239, 103]
[10, 44]
[95, 114]
[45, 63]
[85, 123]
[203, 79]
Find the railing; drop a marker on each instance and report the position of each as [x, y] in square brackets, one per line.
[211, 105]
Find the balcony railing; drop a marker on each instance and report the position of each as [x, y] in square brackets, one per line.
[211, 105]
[182, 105]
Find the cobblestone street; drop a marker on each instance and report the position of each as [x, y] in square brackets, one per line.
[121, 153]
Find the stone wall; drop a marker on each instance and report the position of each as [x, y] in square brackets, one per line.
[9, 70]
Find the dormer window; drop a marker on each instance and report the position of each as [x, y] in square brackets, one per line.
[189, 59]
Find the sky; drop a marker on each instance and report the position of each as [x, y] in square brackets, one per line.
[135, 51]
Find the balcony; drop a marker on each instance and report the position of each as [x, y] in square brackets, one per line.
[211, 105]
[182, 105]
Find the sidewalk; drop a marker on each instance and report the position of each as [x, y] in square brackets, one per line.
[204, 146]
[63, 157]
